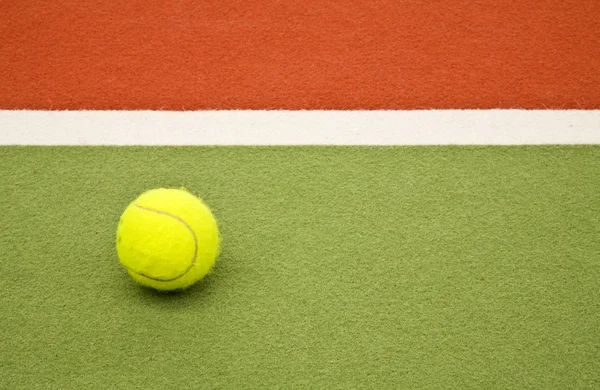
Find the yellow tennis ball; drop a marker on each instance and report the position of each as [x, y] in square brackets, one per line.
[167, 239]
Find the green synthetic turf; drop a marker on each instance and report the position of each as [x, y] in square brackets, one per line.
[393, 267]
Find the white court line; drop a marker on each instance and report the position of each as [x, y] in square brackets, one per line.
[422, 127]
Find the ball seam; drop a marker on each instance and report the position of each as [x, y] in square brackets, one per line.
[192, 263]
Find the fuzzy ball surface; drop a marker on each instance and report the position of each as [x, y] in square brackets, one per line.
[167, 239]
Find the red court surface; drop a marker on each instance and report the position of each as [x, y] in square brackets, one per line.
[386, 54]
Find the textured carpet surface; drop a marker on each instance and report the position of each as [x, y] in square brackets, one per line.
[403, 267]
[343, 54]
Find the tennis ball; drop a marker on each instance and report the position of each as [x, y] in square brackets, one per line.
[167, 239]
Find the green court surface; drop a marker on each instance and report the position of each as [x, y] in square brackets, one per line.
[341, 268]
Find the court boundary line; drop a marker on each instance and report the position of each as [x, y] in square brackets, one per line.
[308, 127]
